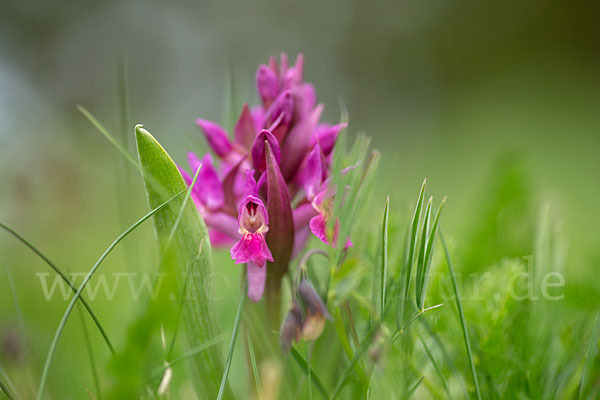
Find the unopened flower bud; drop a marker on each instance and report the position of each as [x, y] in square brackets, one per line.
[291, 327]
[315, 311]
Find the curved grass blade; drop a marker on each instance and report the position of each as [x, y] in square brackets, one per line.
[190, 353]
[590, 355]
[384, 253]
[253, 363]
[65, 279]
[88, 346]
[236, 326]
[109, 137]
[449, 359]
[429, 255]
[414, 387]
[411, 242]
[310, 396]
[87, 278]
[4, 389]
[436, 366]
[364, 345]
[421, 259]
[460, 313]
[305, 367]
[6, 386]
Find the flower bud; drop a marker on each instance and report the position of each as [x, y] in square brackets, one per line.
[315, 311]
[291, 327]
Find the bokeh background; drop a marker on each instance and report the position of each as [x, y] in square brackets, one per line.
[487, 100]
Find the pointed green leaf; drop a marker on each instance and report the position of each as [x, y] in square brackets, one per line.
[422, 251]
[384, 253]
[189, 246]
[429, 254]
[409, 252]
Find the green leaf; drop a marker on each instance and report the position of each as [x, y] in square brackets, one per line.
[188, 245]
[429, 255]
[362, 349]
[414, 387]
[384, 253]
[305, 367]
[411, 242]
[236, 326]
[6, 386]
[421, 259]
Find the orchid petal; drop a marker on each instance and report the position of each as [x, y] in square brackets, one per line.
[251, 247]
[245, 129]
[209, 188]
[303, 214]
[280, 114]
[298, 142]
[311, 174]
[216, 137]
[258, 149]
[326, 135]
[267, 83]
[257, 275]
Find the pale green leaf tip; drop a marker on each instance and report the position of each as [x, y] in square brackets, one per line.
[139, 130]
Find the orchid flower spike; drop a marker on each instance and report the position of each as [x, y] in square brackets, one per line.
[267, 187]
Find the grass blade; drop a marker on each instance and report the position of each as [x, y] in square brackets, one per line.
[5, 389]
[236, 326]
[109, 137]
[414, 387]
[88, 346]
[65, 279]
[308, 370]
[463, 323]
[590, 355]
[67, 313]
[411, 242]
[429, 255]
[253, 364]
[305, 367]
[436, 366]
[384, 253]
[190, 353]
[364, 345]
[421, 259]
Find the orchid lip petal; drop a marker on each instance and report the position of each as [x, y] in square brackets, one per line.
[256, 275]
[216, 137]
[251, 247]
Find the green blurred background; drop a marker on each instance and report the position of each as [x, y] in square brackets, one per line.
[467, 94]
